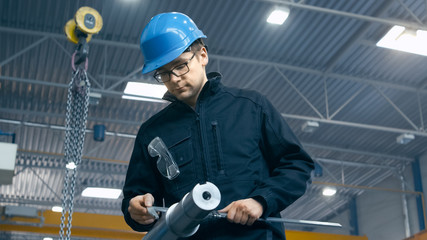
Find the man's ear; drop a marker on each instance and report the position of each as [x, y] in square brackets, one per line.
[204, 56]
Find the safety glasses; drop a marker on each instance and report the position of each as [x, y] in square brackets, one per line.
[165, 163]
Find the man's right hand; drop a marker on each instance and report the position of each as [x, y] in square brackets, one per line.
[138, 208]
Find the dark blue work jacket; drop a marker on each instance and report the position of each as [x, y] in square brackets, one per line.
[235, 139]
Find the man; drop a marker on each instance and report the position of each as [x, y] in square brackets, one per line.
[231, 137]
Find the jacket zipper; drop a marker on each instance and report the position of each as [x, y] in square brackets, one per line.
[217, 142]
[201, 136]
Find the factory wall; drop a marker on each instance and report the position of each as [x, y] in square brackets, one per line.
[381, 212]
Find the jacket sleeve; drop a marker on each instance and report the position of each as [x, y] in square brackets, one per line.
[140, 179]
[289, 165]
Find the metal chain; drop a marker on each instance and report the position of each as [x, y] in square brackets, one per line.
[76, 118]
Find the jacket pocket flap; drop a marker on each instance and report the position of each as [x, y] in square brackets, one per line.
[179, 145]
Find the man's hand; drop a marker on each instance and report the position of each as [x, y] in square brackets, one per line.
[244, 212]
[138, 208]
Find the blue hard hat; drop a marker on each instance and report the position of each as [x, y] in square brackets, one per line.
[165, 37]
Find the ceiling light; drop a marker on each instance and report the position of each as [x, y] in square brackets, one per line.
[110, 193]
[47, 238]
[329, 191]
[56, 209]
[404, 39]
[94, 98]
[278, 16]
[405, 138]
[144, 91]
[142, 99]
[310, 126]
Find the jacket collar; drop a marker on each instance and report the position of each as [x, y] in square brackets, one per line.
[211, 86]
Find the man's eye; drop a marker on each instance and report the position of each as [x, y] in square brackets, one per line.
[180, 67]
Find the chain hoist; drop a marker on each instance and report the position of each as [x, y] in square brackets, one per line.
[79, 30]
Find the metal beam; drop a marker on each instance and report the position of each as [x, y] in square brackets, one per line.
[38, 42]
[355, 38]
[253, 79]
[56, 161]
[410, 12]
[396, 108]
[354, 220]
[84, 225]
[372, 154]
[418, 185]
[348, 101]
[354, 164]
[298, 92]
[357, 125]
[58, 127]
[319, 73]
[113, 227]
[59, 115]
[63, 37]
[351, 15]
[110, 206]
[420, 109]
[45, 184]
[369, 188]
[328, 172]
[325, 92]
[228, 58]
[405, 208]
[298, 117]
[138, 70]
[61, 85]
[350, 124]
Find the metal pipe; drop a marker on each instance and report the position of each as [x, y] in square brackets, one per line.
[183, 219]
[405, 208]
[418, 185]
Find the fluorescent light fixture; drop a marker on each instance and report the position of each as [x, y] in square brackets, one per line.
[71, 165]
[310, 126]
[144, 91]
[47, 238]
[94, 98]
[56, 209]
[278, 16]
[329, 191]
[110, 193]
[405, 138]
[404, 39]
[143, 99]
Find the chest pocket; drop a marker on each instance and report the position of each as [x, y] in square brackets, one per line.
[180, 146]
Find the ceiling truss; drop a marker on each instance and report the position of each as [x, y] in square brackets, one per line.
[109, 90]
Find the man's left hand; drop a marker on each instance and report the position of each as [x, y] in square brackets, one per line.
[245, 211]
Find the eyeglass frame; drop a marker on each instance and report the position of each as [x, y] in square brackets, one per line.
[169, 72]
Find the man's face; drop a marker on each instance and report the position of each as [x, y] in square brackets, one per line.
[187, 87]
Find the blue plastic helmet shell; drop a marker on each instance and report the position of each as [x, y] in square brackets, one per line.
[165, 37]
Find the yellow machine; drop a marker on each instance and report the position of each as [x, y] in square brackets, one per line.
[86, 22]
[79, 30]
